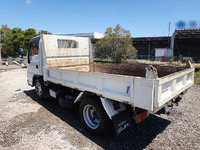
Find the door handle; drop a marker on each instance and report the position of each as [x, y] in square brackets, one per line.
[36, 66]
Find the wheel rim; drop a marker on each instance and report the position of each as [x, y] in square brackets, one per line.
[91, 117]
[38, 88]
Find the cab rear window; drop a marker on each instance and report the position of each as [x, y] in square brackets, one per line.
[67, 43]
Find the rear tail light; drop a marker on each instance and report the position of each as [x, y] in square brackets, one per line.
[142, 116]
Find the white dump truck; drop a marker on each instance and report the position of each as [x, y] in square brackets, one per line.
[108, 95]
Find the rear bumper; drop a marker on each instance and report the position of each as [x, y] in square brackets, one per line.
[167, 107]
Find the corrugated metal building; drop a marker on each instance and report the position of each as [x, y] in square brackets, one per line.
[186, 44]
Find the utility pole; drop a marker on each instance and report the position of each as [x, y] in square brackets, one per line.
[168, 43]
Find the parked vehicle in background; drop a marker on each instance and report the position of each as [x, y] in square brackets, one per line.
[62, 67]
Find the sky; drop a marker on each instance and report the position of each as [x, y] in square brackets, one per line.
[142, 17]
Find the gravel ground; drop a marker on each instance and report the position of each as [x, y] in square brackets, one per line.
[29, 123]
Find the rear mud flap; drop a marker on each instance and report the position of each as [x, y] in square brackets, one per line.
[121, 121]
[165, 110]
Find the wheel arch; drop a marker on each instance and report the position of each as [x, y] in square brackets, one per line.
[108, 105]
[82, 95]
[34, 78]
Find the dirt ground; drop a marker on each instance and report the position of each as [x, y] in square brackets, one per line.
[133, 69]
[29, 123]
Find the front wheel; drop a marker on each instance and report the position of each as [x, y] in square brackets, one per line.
[40, 89]
[93, 116]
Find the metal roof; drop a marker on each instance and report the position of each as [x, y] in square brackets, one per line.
[93, 35]
[187, 33]
[156, 38]
[179, 34]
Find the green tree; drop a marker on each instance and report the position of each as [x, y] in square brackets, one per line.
[117, 45]
[12, 41]
[5, 30]
[7, 46]
[6, 39]
[43, 32]
[16, 38]
[28, 35]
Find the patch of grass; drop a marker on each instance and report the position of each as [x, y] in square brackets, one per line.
[197, 78]
[103, 60]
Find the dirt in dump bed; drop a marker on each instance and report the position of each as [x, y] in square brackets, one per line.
[133, 69]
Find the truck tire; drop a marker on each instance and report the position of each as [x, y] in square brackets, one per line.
[93, 116]
[41, 90]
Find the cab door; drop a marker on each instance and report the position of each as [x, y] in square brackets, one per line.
[33, 60]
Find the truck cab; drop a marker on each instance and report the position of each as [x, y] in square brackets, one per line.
[34, 63]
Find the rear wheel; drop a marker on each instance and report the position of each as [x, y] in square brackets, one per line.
[93, 116]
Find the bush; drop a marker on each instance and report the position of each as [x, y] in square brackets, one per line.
[197, 77]
[116, 45]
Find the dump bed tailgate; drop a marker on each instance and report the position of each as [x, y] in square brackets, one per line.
[168, 87]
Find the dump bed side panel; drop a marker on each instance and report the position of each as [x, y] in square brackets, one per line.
[136, 91]
[170, 86]
[114, 87]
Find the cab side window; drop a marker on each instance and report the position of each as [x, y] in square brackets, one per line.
[33, 49]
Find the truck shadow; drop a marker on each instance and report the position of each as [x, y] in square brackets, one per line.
[137, 137]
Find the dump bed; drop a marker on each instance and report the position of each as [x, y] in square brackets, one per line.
[68, 61]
